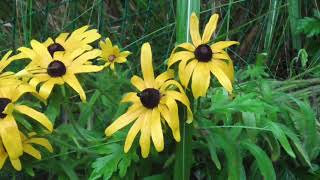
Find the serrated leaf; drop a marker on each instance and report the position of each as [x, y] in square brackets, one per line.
[309, 26]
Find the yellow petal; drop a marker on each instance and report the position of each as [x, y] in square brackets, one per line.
[223, 44]
[185, 71]
[46, 88]
[145, 134]
[22, 89]
[221, 76]
[146, 65]
[164, 111]
[194, 30]
[200, 80]
[28, 52]
[156, 130]
[169, 84]
[125, 54]
[125, 119]
[78, 32]
[220, 56]
[180, 56]
[226, 68]
[42, 52]
[42, 142]
[62, 38]
[90, 36]
[73, 82]
[130, 97]
[173, 110]
[184, 100]
[86, 69]
[121, 60]
[27, 148]
[210, 28]
[11, 137]
[16, 164]
[38, 79]
[108, 42]
[48, 42]
[138, 83]
[112, 66]
[36, 115]
[187, 46]
[169, 74]
[134, 130]
[86, 57]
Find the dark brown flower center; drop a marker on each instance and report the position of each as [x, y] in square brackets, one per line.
[149, 97]
[3, 104]
[203, 53]
[111, 58]
[56, 69]
[54, 48]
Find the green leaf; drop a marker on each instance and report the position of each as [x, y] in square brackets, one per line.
[263, 161]
[87, 108]
[213, 151]
[309, 26]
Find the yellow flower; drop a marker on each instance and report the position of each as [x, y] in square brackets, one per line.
[27, 146]
[198, 59]
[8, 78]
[111, 54]
[66, 42]
[155, 103]
[59, 69]
[9, 131]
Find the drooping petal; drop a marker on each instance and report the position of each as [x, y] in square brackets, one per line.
[169, 74]
[125, 119]
[130, 97]
[221, 76]
[200, 80]
[220, 56]
[174, 116]
[36, 115]
[11, 137]
[74, 83]
[137, 82]
[180, 56]
[38, 79]
[169, 84]
[46, 88]
[223, 44]
[16, 164]
[164, 111]
[27, 148]
[210, 28]
[185, 71]
[194, 30]
[156, 130]
[184, 100]
[42, 142]
[146, 65]
[134, 130]
[226, 68]
[145, 134]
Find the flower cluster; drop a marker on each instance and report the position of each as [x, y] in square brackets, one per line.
[56, 62]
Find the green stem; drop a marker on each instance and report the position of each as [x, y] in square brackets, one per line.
[183, 158]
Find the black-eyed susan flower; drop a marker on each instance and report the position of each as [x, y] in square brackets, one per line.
[6, 77]
[198, 59]
[66, 42]
[111, 54]
[154, 103]
[9, 131]
[27, 143]
[59, 69]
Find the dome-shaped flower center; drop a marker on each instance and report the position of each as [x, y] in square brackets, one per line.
[111, 58]
[56, 69]
[3, 104]
[149, 97]
[203, 53]
[54, 48]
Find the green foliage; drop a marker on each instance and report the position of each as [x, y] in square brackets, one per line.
[309, 26]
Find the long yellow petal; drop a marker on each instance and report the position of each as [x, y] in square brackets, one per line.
[138, 83]
[156, 130]
[134, 130]
[36, 115]
[62, 38]
[184, 100]
[38, 79]
[180, 56]
[22, 89]
[86, 69]
[42, 142]
[185, 71]
[11, 137]
[74, 83]
[200, 80]
[125, 54]
[169, 84]
[121, 60]
[146, 65]
[130, 97]
[28, 52]
[169, 74]
[194, 30]
[220, 56]
[125, 119]
[46, 88]
[164, 111]
[221, 76]
[210, 28]
[187, 46]
[48, 42]
[145, 134]
[16, 164]
[27, 148]
[223, 44]
[42, 51]
[85, 57]
[173, 110]
[226, 68]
